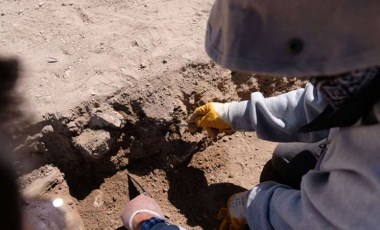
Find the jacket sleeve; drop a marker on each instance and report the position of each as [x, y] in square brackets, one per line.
[279, 118]
[343, 194]
[327, 200]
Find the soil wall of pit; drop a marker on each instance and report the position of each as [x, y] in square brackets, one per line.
[135, 130]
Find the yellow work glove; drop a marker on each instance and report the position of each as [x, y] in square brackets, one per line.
[213, 117]
[234, 216]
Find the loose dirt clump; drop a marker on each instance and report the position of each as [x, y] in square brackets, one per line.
[138, 130]
[267, 85]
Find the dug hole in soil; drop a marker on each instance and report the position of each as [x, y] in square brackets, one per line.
[84, 158]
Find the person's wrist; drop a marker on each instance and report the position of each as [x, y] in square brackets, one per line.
[139, 218]
[239, 116]
[222, 110]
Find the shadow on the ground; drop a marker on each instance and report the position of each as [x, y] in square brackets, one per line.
[189, 191]
[156, 140]
[198, 201]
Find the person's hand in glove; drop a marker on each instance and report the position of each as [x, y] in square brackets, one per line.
[213, 117]
[234, 216]
[140, 209]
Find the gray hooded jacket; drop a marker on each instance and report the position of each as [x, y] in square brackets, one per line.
[343, 193]
[305, 38]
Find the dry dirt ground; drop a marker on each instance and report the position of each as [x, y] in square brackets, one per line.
[108, 82]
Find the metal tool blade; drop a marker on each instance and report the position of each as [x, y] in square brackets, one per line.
[135, 188]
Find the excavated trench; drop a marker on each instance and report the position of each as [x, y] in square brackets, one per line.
[136, 129]
[106, 135]
[87, 162]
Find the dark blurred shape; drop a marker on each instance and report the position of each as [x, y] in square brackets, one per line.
[10, 202]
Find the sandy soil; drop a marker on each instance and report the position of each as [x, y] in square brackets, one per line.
[99, 45]
[107, 82]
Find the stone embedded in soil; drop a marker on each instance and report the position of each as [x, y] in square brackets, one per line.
[121, 158]
[105, 118]
[47, 129]
[77, 125]
[93, 143]
[44, 184]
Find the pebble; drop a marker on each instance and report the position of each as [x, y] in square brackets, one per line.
[2, 14]
[39, 6]
[109, 212]
[47, 129]
[52, 60]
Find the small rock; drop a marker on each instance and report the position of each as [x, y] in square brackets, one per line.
[52, 60]
[73, 127]
[2, 14]
[98, 201]
[39, 147]
[164, 61]
[93, 143]
[47, 129]
[44, 184]
[39, 5]
[106, 118]
[109, 212]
